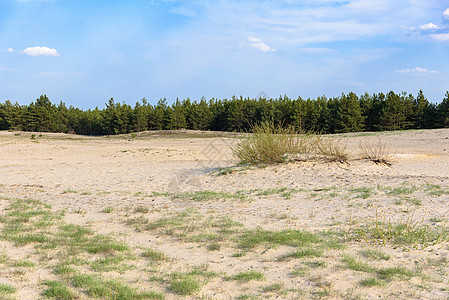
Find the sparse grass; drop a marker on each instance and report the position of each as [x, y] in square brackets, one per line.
[372, 282]
[252, 238]
[403, 190]
[108, 210]
[376, 152]
[404, 233]
[154, 255]
[58, 290]
[141, 209]
[208, 196]
[316, 264]
[7, 289]
[383, 273]
[24, 264]
[375, 254]
[302, 253]
[110, 289]
[246, 276]
[185, 286]
[69, 191]
[436, 190]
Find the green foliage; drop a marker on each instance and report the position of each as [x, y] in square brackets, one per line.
[347, 113]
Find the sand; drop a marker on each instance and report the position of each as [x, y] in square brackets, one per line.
[85, 175]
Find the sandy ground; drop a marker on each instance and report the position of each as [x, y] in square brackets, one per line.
[84, 175]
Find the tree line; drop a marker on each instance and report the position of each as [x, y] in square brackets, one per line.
[346, 113]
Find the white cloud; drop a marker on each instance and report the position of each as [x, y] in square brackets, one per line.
[446, 13]
[418, 70]
[258, 44]
[429, 26]
[38, 51]
[440, 37]
[10, 50]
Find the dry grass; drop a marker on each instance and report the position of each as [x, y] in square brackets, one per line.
[376, 152]
[271, 144]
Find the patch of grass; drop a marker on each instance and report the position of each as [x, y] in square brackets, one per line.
[302, 253]
[213, 247]
[154, 255]
[436, 190]
[7, 289]
[246, 276]
[57, 290]
[186, 286]
[372, 282]
[363, 192]
[141, 209]
[375, 254]
[108, 210]
[110, 289]
[273, 288]
[24, 263]
[239, 254]
[404, 190]
[208, 195]
[104, 244]
[405, 233]
[357, 265]
[414, 201]
[63, 268]
[69, 191]
[387, 273]
[252, 238]
[316, 264]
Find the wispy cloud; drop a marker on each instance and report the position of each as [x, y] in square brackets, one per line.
[418, 70]
[429, 26]
[258, 44]
[446, 13]
[10, 50]
[40, 51]
[440, 37]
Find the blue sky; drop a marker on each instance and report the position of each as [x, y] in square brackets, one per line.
[84, 52]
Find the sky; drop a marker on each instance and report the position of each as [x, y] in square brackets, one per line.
[83, 52]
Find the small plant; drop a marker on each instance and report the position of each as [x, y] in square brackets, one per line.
[377, 153]
[108, 210]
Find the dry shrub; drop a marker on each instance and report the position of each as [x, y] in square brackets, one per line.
[332, 149]
[267, 144]
[376, 152]
[271, 144]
